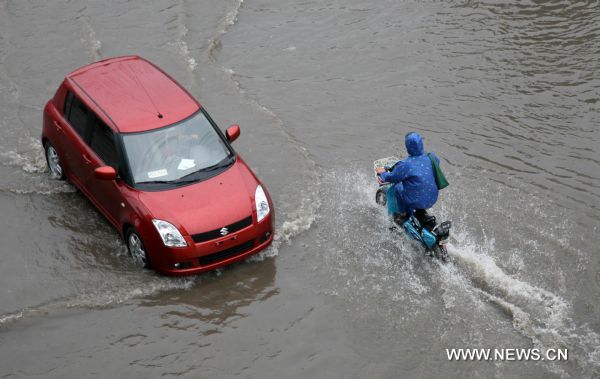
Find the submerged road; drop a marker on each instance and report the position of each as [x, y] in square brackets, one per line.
[505, 93]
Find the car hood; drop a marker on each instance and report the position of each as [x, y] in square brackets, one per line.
[207, 205]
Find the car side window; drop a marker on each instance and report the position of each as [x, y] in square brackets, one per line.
[103, 143]
[77, 114]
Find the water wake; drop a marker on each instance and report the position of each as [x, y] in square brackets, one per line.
[538, 314]
[90, 41]
[229, 20]
[181, 42]
[303, 216]
[134, 287]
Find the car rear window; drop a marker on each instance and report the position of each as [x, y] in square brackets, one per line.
[77, 114]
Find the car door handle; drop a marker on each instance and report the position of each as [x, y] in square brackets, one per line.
[58, 127]
[86, 159]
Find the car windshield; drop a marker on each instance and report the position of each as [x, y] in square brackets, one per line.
[181, 153]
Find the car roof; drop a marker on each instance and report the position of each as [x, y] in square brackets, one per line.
[133, 93]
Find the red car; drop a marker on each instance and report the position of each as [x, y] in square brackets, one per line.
[151, 159]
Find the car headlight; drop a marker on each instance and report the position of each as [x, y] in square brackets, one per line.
[262, 204]
[169, 234]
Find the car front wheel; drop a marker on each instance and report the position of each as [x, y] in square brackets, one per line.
[136, 248]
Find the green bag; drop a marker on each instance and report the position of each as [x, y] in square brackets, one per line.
[440, 179]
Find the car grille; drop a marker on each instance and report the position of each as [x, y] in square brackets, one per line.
[227, 253]
[207, 236]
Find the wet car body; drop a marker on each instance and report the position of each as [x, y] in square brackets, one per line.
[102, 114]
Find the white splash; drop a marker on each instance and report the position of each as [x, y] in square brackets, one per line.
[9, 318]
[31, 160]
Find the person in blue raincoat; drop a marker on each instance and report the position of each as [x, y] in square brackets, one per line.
[413, 178]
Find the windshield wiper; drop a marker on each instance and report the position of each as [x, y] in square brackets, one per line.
[157, 182]
[213, 167]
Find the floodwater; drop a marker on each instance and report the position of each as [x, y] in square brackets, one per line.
[507, 93]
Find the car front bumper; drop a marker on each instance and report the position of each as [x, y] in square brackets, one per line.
[209, 255]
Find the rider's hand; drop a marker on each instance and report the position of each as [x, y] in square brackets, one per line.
[380, 170]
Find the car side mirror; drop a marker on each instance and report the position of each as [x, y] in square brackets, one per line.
[232, 133]
[105, 173]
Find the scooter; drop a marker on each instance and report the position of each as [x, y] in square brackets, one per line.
[419, 225]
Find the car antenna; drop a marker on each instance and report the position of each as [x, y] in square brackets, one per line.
[158, 114]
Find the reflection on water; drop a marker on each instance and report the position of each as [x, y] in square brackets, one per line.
[217, 298]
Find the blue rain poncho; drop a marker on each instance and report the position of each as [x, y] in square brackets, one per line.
[413, 179]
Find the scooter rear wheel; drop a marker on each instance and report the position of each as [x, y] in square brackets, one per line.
[440, 252]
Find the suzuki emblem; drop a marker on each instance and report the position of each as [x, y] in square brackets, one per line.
[224, 231]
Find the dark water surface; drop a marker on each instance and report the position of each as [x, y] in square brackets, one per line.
[506, 93]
